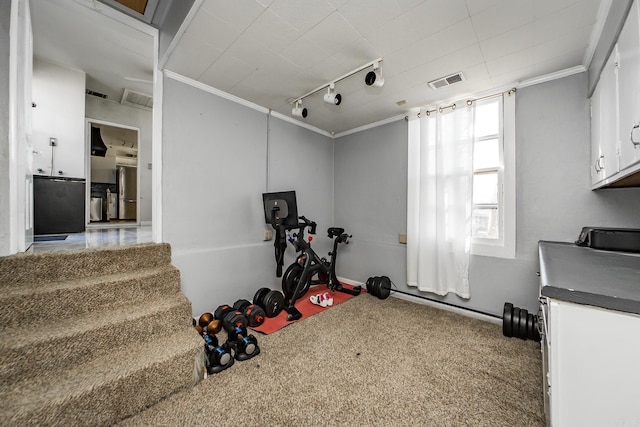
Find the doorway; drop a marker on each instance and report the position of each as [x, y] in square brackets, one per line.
[113, 192]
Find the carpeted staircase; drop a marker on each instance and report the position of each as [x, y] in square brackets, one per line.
[91, 337]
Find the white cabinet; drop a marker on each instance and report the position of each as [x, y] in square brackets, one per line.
[628, 147]
[59, 95]
[604, 123]
[592, 365]
[615, 109]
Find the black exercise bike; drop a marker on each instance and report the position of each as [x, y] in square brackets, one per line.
[309, 269]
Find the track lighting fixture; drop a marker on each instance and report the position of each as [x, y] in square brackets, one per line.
[299, 110]
[374, 77]
[331, 97]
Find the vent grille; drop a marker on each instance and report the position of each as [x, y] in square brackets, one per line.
[137, 99]
[446, 81]
[94, 93]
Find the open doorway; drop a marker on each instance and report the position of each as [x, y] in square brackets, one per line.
[113, 193]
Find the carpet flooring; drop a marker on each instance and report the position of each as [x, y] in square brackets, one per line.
[370, 362]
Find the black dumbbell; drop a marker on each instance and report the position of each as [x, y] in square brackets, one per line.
[218, 356]
[272, 302]
[255, 314]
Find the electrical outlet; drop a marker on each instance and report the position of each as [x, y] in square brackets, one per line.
[402, 238]
[268, 235]
[53, 141]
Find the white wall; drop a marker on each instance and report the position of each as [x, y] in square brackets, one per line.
[554, 199]
[5, 204]
[215, 163]
[59, 95]
[114, 112]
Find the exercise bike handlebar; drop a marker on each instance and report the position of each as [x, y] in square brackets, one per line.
[307, 223]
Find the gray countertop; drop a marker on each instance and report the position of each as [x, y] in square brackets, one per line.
[590, 276]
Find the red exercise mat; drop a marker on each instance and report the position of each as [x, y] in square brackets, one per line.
[306, 307]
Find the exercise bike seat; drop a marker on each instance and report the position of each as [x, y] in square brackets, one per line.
[335, 232]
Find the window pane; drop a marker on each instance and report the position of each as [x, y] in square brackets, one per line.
[485, 188]
[485, 223]
[487, 120]
[486, 154]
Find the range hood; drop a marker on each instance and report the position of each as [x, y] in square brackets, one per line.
[97, 145]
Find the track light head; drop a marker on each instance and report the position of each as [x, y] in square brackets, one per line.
[299, 110]
[331, 97]
[374, 78]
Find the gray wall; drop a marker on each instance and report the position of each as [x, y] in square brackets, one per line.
[554, 199]
[215, 164]
[5, 226]
[371, 202]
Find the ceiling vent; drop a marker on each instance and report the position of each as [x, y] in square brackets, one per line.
[446, 81]
[137, 99]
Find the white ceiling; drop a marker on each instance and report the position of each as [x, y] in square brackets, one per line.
[269, 51]
[73, 33]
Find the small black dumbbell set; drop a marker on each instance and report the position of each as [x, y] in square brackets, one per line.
[234, 320]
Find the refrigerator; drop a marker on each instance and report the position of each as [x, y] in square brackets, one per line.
[127, 181]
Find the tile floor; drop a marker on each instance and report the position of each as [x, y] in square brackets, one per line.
[97, 238]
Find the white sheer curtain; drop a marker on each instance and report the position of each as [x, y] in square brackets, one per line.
[439, 208]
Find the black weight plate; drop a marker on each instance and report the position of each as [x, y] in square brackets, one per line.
[241, 304]
[530, 326]
[273, 303]
[536, 332]
[258, 298]
[515, 321]
[506, 320]
[522, 331]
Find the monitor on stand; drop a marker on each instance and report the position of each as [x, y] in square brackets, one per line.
[281, 212]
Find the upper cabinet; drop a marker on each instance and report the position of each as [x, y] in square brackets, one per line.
[58, 121]
[628, 145]
[615, 109]
[604, 123]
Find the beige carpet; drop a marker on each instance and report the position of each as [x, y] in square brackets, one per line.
[370, 362]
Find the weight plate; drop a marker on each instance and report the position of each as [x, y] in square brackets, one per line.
[536, 331]
[384, 287]
[273, 303]
[515, 320]
[258, 298]
[522, 331]
[530, 326]
[255, 315]
[506, 320]
[221, 311]
[241, 304]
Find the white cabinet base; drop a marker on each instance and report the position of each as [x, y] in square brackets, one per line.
[594, 366]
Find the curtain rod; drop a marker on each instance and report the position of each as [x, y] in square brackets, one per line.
[469, 102]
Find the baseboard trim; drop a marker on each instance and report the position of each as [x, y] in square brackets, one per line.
[435, 304]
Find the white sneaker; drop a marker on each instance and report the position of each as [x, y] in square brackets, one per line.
[315, 299]
[327, 299]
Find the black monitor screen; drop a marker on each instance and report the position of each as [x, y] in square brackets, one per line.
[282, 205]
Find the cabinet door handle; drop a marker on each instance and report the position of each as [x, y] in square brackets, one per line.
[635, 143]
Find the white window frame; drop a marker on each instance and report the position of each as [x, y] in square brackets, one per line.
[505, 246]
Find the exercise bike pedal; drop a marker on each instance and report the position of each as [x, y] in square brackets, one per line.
[293, 313]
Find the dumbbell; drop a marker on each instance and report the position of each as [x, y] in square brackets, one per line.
[379, 286]
[272, 302]
[518, 322]
[208, 323]
[245, 346]
[218, 356]
[254, 313]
